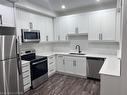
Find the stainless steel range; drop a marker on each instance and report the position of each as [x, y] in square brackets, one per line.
[38, 65]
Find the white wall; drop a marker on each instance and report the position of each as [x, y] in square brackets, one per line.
[40, 48]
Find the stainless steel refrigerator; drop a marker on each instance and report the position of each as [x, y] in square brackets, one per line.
[11, 82]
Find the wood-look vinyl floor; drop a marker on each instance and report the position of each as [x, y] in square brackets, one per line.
[60, 84]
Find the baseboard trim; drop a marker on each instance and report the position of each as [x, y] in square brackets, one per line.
[71, 74]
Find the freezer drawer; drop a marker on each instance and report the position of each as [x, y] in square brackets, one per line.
[94, 66]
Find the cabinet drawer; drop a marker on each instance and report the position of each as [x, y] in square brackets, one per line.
[51, 59]
[51, 63]
[53, 66]
[27, 86]
[51, 71]
[24, 69]
[26, 73]
[26, 80]
[25, 65]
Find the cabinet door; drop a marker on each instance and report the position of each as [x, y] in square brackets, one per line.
[108, 24]
[7, 14]
[56, 29]
[49, 30]
[60, 63]
[118, 20]
[83, 23]
[94, 26]
[81, 66]
[69, 65]
[60, 28]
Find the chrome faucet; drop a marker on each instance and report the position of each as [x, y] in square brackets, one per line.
[78, 47]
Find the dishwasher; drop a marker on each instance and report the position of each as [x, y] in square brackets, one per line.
[94, 65]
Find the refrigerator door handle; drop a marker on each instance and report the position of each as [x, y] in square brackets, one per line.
[18, 57]
[19, 65]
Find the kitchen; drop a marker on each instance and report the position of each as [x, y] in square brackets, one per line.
[64, 47]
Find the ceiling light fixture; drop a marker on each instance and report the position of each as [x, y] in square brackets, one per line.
[63, 7]
[98, 0]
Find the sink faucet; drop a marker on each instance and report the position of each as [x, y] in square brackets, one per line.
[78, 47]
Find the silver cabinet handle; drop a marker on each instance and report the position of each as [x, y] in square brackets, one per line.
[1, 22]
[47, 38]
[101, 36]
[51, 63]
[63, 62]
[51, 70]
[74, 63]
[59, 38]
[50, 57]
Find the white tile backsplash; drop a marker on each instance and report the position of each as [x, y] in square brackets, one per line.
[39, 47]
[83, 44]
[86, 47]
[103, 47]
[61, 47]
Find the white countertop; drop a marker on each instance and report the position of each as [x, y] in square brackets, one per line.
[111, 65]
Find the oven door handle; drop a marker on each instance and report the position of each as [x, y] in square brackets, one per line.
[35, 63]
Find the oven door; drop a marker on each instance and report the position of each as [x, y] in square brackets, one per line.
[38, 69]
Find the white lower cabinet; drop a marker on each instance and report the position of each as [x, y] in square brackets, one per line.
[51, 65]
[110, 85]
[71, 65]
[26, 75]
[60, 63]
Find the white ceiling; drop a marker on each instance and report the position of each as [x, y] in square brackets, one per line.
[55, 5]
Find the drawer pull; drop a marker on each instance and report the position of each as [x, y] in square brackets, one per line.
[51, 70]
[26, 84]
[26, 71]
[26, 76]
[50, 57]
[51, 63]
[25, 66]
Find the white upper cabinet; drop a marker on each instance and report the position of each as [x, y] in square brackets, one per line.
[102, 25]
[68, 24]
[94, 26]
[7, 16]
[108, 25]
[49, 30]
[118, 20]
[83, 23]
